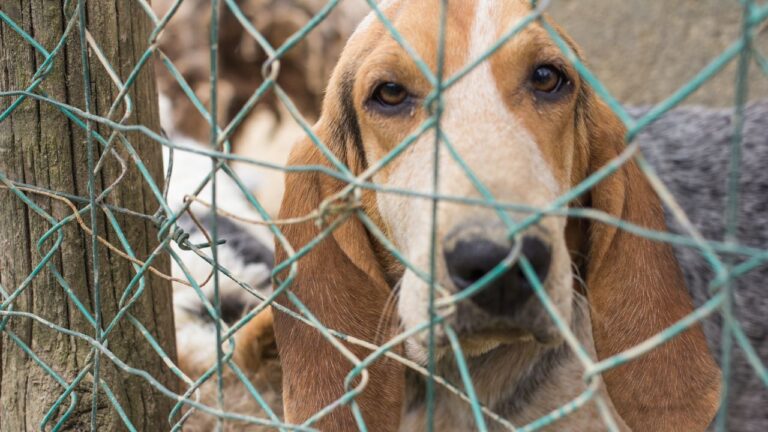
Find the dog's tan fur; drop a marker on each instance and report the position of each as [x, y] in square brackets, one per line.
[634, 286]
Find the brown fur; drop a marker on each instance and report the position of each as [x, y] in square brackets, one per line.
[635, 290]
[347, 296]
[251, 340]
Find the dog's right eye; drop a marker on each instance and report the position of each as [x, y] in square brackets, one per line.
[390, 94]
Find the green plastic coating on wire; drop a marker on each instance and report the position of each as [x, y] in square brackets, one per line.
[727, 257]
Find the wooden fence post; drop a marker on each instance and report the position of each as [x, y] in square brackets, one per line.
[40, 146]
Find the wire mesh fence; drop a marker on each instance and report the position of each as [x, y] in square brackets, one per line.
[106, 132]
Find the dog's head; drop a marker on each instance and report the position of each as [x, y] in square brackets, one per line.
[509, 132]
[523, 128]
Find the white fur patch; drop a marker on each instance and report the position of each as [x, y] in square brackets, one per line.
[485, 32]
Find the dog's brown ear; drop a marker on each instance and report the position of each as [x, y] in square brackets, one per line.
[636, 289]
[342, 283]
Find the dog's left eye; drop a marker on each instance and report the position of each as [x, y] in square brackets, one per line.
[547, 79]
[390, 94]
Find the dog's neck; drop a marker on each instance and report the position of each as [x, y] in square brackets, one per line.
[519, 382]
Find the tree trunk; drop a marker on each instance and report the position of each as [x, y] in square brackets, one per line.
[41, 147]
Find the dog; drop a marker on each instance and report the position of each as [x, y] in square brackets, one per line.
[530, 128]
[689, 149]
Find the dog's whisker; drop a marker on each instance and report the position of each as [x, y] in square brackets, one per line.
[388, 314]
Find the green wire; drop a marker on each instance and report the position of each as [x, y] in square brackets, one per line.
[728, 258]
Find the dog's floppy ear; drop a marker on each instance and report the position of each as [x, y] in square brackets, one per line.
[342, 283]
[636, 289]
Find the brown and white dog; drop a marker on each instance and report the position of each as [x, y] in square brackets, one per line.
[530, 129]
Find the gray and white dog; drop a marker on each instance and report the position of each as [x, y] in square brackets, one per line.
[690, 149]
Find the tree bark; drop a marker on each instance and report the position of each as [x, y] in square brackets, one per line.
[40, 146]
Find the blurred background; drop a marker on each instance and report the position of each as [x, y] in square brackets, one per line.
[644, 50]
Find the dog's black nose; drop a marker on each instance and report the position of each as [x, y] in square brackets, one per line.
[469, 260]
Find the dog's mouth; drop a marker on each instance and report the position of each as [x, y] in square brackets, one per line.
[502, 332]
[479, 332]
[478, 340]
[529, 322]
[481, 342]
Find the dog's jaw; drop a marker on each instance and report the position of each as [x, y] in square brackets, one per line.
[520, 381]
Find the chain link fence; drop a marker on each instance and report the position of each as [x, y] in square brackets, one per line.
[114, 128]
